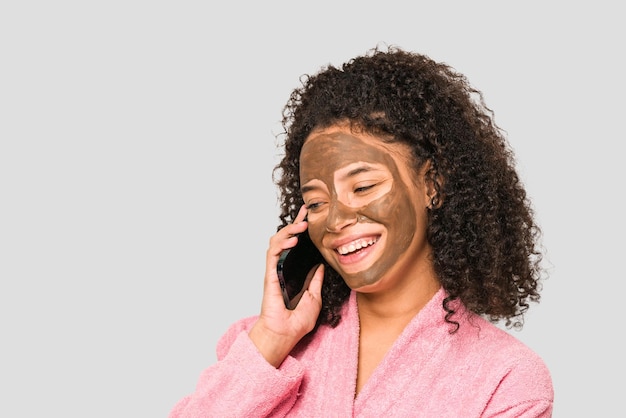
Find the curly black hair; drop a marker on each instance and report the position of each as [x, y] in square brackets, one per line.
[481, 225]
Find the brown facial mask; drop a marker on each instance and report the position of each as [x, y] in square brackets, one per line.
[348, 179]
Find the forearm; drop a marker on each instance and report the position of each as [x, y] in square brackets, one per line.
[243, 383]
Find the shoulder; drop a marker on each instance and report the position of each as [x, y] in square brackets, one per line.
[499, 340]
[481, 337]
[504, 360]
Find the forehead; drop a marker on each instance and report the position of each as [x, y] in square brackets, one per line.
[329, 150]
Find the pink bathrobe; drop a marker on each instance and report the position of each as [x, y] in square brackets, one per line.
[479, 371]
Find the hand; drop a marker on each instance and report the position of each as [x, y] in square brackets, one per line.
[279, 329]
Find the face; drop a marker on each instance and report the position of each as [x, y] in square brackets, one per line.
[366, 206]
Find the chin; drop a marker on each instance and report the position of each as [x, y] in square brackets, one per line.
[359, 283]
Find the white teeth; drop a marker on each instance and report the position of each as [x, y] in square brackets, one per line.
[356, 245]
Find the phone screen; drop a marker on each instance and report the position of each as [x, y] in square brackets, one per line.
[296, 267]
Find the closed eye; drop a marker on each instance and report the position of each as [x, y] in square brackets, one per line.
[313, 205]
[363, 188]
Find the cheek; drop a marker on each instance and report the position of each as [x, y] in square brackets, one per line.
[395, 210]
[316, 232]
[397, 213]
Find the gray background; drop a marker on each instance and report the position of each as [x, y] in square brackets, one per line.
[136, 199]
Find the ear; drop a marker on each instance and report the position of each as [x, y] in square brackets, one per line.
[432, 186]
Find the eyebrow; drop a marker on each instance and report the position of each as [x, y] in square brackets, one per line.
[358, 170]
[305, 189]
[363, 168]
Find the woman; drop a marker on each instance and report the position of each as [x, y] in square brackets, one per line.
[408, 189]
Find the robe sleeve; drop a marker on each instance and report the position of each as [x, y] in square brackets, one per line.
[242, 383]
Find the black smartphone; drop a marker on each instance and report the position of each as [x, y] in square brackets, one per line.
[296, 267]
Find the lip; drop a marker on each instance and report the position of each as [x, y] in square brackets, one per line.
[370, 241]
[351, 238]
[356, 245]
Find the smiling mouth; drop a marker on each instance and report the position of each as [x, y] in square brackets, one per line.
[356, 246]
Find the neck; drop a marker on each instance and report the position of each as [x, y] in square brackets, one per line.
[399, 305]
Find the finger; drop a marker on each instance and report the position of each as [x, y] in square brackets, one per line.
[314, 290]
[311, 300]
[299, 224]
[282, 240]
[302, 212]
[315, 287]
[286, 237]
[305, 286]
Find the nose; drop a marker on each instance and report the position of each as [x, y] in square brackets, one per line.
[340, 216]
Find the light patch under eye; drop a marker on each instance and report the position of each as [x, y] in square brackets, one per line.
[315, 194]
[362, 192]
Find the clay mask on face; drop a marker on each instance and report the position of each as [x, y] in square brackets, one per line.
[355, 176]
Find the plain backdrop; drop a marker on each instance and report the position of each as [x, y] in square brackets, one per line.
[137, 141]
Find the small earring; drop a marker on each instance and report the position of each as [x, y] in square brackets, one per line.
[434, 202]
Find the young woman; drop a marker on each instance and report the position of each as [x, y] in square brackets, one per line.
[408, 189]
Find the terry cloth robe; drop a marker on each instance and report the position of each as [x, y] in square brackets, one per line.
[479, 371]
